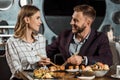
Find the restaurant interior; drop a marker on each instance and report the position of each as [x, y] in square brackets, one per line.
[56, 16]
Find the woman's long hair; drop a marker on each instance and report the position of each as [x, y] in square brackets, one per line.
[21, 25]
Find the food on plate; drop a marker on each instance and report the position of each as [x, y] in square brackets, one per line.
[106, 67]
[56, 68]
[71, 67]
[87, 68]
[62, 67]
[76, 67]
[100, 66]
[47, 75]
[82, 67]
[53, 68]
[59, 74]
[37, 73]
[42, 73]
[96, 66]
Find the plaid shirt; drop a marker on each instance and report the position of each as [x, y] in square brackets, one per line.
[22, 55]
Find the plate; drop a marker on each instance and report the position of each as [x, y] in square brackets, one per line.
[72, 70]
[115, 76]
[86, 77]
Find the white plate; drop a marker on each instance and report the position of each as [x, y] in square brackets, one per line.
[72, 70]
[115, 76]
[86, 77]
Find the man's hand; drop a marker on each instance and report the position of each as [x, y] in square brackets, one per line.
[75, 59]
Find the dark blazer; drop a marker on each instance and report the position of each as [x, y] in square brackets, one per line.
[96, 48]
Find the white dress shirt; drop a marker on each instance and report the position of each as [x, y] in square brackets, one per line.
[22, 55]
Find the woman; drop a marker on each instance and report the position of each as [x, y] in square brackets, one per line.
[26, 49]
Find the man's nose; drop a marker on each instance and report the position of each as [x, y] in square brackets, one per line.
[71, 22]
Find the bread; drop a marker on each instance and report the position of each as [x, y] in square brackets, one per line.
[71, 67]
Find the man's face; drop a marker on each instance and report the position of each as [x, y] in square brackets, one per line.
[78, 22]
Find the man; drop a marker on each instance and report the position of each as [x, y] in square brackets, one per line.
[82, 44]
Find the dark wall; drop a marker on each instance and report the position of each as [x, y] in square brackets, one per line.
[65, 7]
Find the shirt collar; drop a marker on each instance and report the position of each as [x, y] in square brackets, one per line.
[35, 37]
[77, 42]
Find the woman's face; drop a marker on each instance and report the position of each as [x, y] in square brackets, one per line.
[35, 22]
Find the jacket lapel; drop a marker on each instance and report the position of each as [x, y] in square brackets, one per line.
[68, 43]
[87, 43]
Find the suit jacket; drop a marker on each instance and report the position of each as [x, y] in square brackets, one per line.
[96, 48]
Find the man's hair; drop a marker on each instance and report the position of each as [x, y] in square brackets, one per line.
[87, 10]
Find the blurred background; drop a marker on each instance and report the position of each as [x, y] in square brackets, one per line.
[56, 16]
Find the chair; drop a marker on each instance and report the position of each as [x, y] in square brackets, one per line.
[5, 73]
[118, 47]
[116, 56]
[115, 53]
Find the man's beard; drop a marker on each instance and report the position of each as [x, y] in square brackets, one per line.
[80, 30]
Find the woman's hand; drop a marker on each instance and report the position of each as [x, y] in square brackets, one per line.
[44, 61]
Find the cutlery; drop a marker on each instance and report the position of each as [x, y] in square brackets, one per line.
[50, 61]
[76, 53]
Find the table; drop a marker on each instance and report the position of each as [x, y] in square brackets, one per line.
[28, 75]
